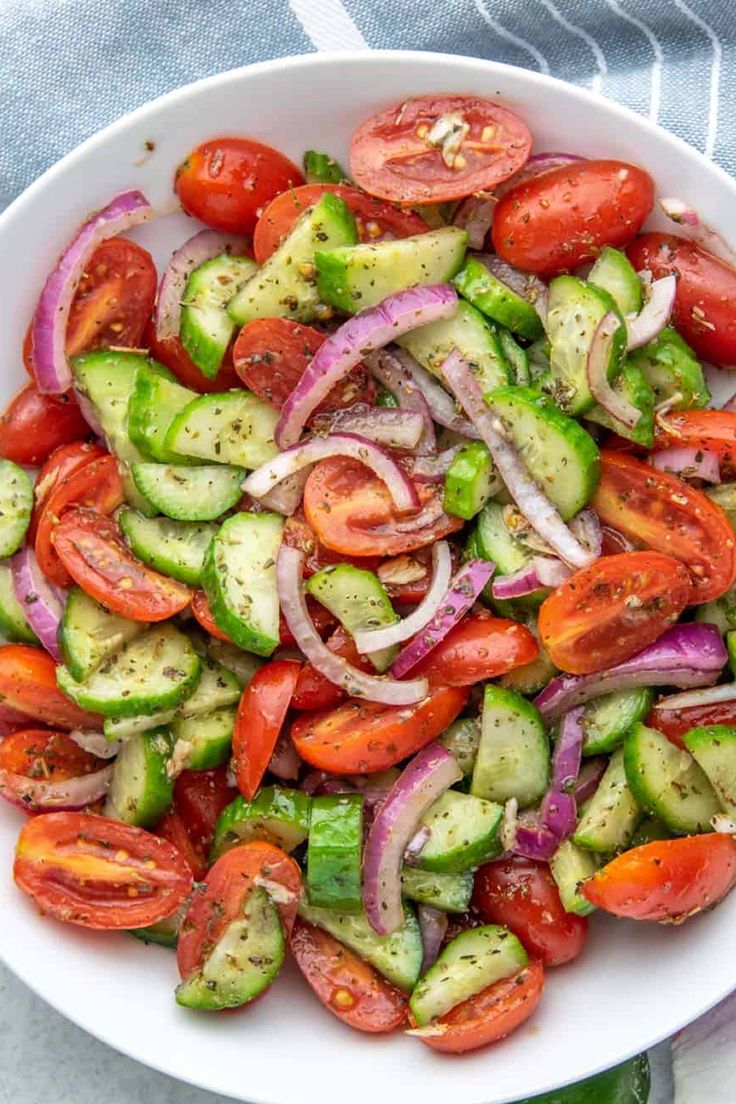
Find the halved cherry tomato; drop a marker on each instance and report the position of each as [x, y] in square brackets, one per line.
[669, 516]
[521, 895]
[298, 533]
[114, 298]
[362, 737]
[480, 647]
[199, 798]
[203, 614]
[674, 723]
[667, 880]
[375, 220]
[94, 553]
[258, 721]
[346, 985]
[171, 353]
[557, 221]
[33, 425]
[61, 463]
[706, 290]
[11, 720]
[42, 755]
[271, 355]
[99, 873]
[613, 542]
[228, 885]
[607, 612]
[28, 684]
[351, 511]
[172, 828]
[488, 1016]
[313, 690]
[711, 430]
[226, 182]
[394, 154]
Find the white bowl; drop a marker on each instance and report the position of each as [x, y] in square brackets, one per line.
[635, 984]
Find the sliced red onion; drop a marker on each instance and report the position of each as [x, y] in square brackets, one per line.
[48, 328]
[453, 605]
[96, 743]
[195, 251]
[655, 314]
[285, 498]
[475, 216]
[619, 541]
[312, 782]
[89, 413]
[589, 778]
[689, 462]
[517, 584]
[389, 370]
[686, 655]
[42, 602]
[587, 528]
[712, 695]
[426, 777]
[441, 405]
[398, 429]
[551, 572]
[403, 492]
[524, 284]
[334, 668]
[697, 230]
[369, 330]
[433, 469]
[599, 358]
[531, 501]
[537, 165]
[373, 640]
[416, 844]
[433, 926]
[43, 795]
[285, 762]
[509, 824]
[568, 751]
[558, 811]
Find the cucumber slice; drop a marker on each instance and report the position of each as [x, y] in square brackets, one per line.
[720, 612]
[206, 328]
[89, 634]
[175, 548]
[649, 829]
[353, 277]
[672, 370]
[276, 814]
[531, 677]
[240, 580]
[725, 496]
[13, 624]
[448, 892]
[571, 866]
[668, 782]
[16, 504]
[468, 964]
[155, 671]
[232, 428]
[397, 956]
[217, 687]
[142, 788]
[494, 541]
[538, 355]
[241, 664]
[494, 298]
[470, 482]
[713, 747]
[517, 358]
[164, 933]
[556, 451]
[320, 168]
[607, 719]
[628, 1083]
[614, 273]
[359, 601]
[286, 286]
[463, 833]
[190, 494]
[335, 852]
[244, 961]
[203, 741]
[513, 754]
[574, 311]
[731, 649]
[632, 384]
[461, 739]
[154, 404]
[468, 332]
[612, 814]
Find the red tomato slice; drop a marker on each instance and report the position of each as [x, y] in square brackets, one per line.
[667, 880]
[345, 984]
[40, 754]
[258, 721]
[94, 553]
[173, 829]
[99, 873]
[609, 611]
[351, 511]
[711, 430]
[674, 723]
[706, 290]
[203, 614]
[226, 182]
[114, 298]
[563, 218]
[11, 720]
[199, 798]
[669, 516]
[480, 647]
[313, 690]
[393, 155]
[171, 353]
[521, 895]
[298, 533]
[490, 1015]
[271, 355]
[61, 463]
[28, 684]
[33, 425]
[227, 886]
[365, 737]
[321, 617]
[375, 220]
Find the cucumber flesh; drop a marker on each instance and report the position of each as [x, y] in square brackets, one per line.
[668, 782]
[89, 634]
[632, 384]
[532, 677]
[358, 599]
[574, 311]
[495, 541]
[320, 168]
[725, 496]
[448, 892]
[142, 788]
[713, 747]
[516, 356]
[152, 407]
[122, 728]
[731, 649]
[241, 664]
[649, 829]
[463, 833]
[607, 719]
[16, 504]
[13, 624]
[513, 755]
[614, 273]
[190, 494]
[470, 482]
[206, 328]
[468, 332]
[570, 867]
[175, 548]
[461, 739]
[672, 371]
[165, 933]
[217, 687]
[235, 427]
[612, 814]
[204, 741]
[335, 852]
[494, 298]
[276, 814]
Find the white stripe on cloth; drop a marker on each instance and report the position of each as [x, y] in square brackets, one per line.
[656, 79]
[511, 37]
[703, 1057]
[715, 75]
[328, 25]
[590, 41]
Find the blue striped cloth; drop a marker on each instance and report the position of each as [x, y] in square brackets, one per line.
[71, 66]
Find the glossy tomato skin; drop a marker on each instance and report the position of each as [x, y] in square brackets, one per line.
[392, 157]
[226, 182]
[669, 516]
[480, 647]
[61, 463]
[667, 880]
[114, 298]
[313, 691]
[40, 755]
[203, 614]
[706, 291]
[33, 425]
[199, 798]
[711, 430]
[674, 723]
[346, 985]
[563, 218]
[521, 895]
[28, 684]
[365, 737]
[609, 611]
[298, 533]
[259, 719]
[172, 828]
[11, 720]
[99, 873]
[171, 353]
